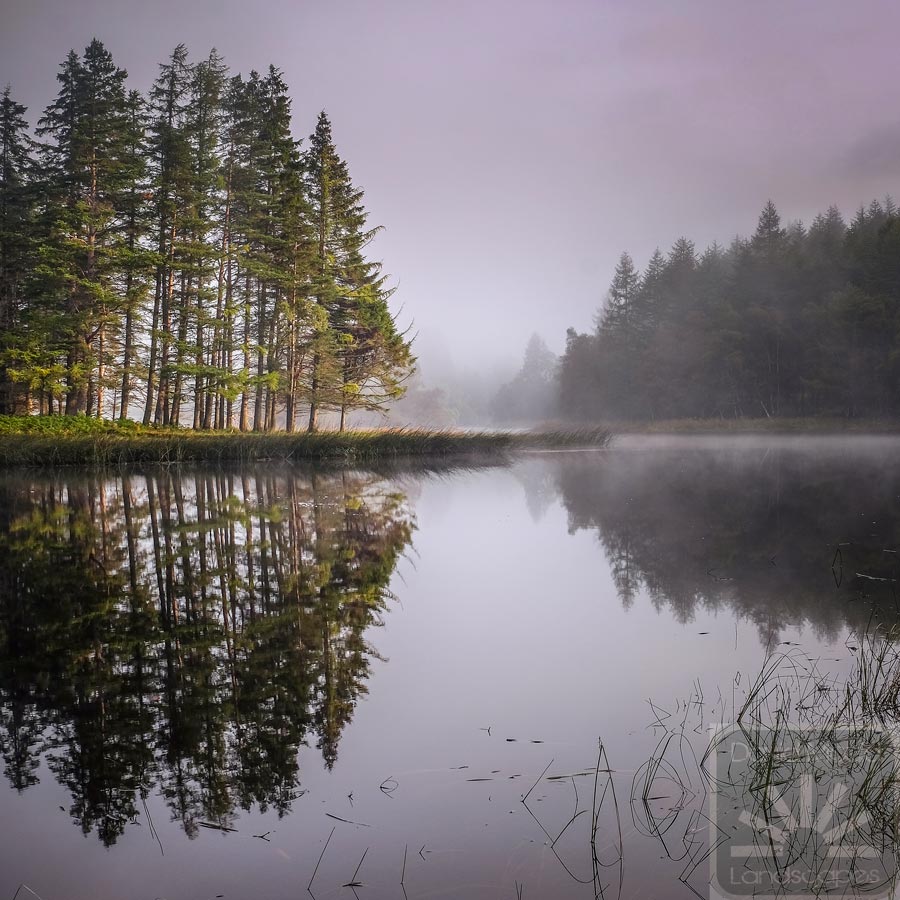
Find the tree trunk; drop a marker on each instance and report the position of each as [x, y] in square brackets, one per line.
[128, 352]
[245, 392]
[258, 408]
[101, 372]
[154, 344]
[313, 399]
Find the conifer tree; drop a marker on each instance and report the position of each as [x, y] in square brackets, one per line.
[618, 314]
[200, 219]
[170, 173]
[359, 359]
[137, 260]
[648, 298]
[178, 253]
[16, 250]
[276, 237]
[86, 126]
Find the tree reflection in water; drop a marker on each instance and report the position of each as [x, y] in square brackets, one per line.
[187, 633]
[777, 534]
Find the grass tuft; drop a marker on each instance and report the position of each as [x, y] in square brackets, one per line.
[53, 441]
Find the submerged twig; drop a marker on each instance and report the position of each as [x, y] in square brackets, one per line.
[354, 882]
[538, 781]
[347, 821]
[319, 862]
[24, 887]
[388, 786]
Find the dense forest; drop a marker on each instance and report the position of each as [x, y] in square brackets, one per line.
[179, 258]
[793, 321]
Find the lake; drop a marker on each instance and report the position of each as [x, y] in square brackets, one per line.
[249, 683]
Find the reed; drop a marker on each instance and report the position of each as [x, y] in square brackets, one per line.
[31, 441]
[816, 784]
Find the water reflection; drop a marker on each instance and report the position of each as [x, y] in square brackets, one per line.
[176, 638]
[186, 634]
[780, 534]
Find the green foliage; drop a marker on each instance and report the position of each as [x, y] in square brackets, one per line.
[177, 258]
[17, 249]
[367, 360]
[62, 426]
[83, 440]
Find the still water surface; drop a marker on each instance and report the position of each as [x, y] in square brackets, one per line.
[205, 675]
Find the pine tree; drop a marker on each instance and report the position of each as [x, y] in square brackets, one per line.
[137, 261]
[359, 358]
[276, 238]
[529, 396]
[228, 385]
[769, 237]
[198, 255]
[618, 313]
[87, 126]
[648, 298]
[170, 173]
[16, 251]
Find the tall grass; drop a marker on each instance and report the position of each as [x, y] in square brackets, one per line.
[823, 751]
[804, 766]
[29, 441]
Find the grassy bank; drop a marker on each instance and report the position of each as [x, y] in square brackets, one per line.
[58, 441]
[810, 425]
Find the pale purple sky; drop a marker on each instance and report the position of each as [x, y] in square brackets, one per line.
[512, 150]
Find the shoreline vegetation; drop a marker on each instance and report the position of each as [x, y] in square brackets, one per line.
[45, 441]
[59, 440]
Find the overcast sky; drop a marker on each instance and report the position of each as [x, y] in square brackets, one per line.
[513, 148]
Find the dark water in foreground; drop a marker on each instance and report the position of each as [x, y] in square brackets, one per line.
[394, 658]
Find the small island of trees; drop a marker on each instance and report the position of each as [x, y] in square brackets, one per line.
[178, 258]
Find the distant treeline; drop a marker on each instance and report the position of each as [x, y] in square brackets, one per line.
[795, 321]
[176, 258]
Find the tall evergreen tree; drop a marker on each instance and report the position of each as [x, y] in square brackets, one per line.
[178, 253]
[198, 258]
[171, 176]
[530, 395]
[618, 313]
[87, 128]
[16, 222]
[359, 359]
[137, 260]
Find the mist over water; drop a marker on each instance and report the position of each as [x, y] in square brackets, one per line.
[399, 655]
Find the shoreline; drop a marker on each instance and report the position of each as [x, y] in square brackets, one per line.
[112, 447]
